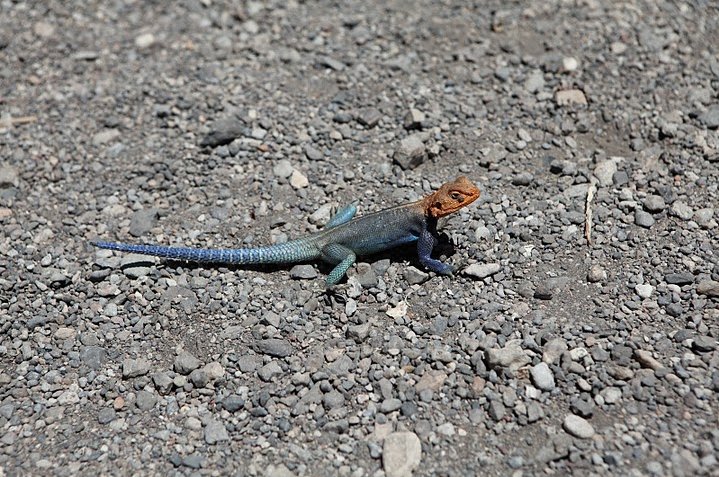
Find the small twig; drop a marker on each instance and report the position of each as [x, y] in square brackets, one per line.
[588, 212]
[23, 120]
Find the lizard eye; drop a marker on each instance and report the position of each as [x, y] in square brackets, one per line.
[455, 196]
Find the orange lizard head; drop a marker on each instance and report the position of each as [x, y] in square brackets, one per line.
[449, 198]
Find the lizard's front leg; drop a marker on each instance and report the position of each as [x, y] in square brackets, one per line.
[425, 244]
[340, 255]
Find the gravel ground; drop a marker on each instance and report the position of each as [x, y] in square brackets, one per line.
[208, 123]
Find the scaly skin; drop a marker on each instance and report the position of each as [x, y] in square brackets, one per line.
[343, 238]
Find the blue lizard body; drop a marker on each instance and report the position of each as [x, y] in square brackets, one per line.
[343, 238]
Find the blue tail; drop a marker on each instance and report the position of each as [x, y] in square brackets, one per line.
[289, 252]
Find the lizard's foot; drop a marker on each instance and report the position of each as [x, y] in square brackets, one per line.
[438, 267]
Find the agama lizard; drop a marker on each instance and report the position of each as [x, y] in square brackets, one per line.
[343, 238]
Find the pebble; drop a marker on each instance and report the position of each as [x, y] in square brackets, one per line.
[185, 362]
[145, 40]
[145, 400]
[299, 180]
[313, 154]
[275, 347]
[303, 272]
[142, 221]
[283, 169]
[604, 172]
[482, 270]
[710, 117]
[215, 432]
[413, 119]
[596, 274]
[132, 368]
[654, 204]
[679, 278]
[534, 82]
[643, 219]
[570, 97]
[682, 210]
[9, 176]
[704, 344]
[411, 152]
[542, 376]
[415, 276]
[708, 288]
[223, 131]
[369, 117]
[511, 356]
[93, 356]
[644, 291]
[578, 426]
[401, 454]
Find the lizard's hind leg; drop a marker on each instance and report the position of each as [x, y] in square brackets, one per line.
[340, 256]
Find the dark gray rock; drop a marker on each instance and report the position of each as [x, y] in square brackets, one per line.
[223, 131]
[185, 363]
[276, 347]
[142, 221]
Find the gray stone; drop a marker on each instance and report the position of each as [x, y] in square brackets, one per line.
[276, 347]
[233, 403]
[358, 333]
[482, 270]
[333, 399]
[132, 368]
[93, 356]
[704, 216]
[596, 274]
[269, 371]
[303, 272]
[401, 454]
[106, 415]
[511, 357]
[578, 426]
[680, 278]
[654, 204]
[682, 210]
[390, 405]
[411, 152]
[413, 119]
[534, 82]
[215, 432]
[643, 219]
[223, 131]
[704, 344]
[142, 221]
[331, 63]
[283, 169]
[185, 363]
[199, 378]
[644, 290]
[9, 176]
[313, 154]
[145, 400]
[710, 117]
[542, 376]
[604, 172]
[708, 288]
[162, 381]
[369, 117]
[497, 411]
[415, 276]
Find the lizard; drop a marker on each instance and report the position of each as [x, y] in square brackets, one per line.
[343, 238]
